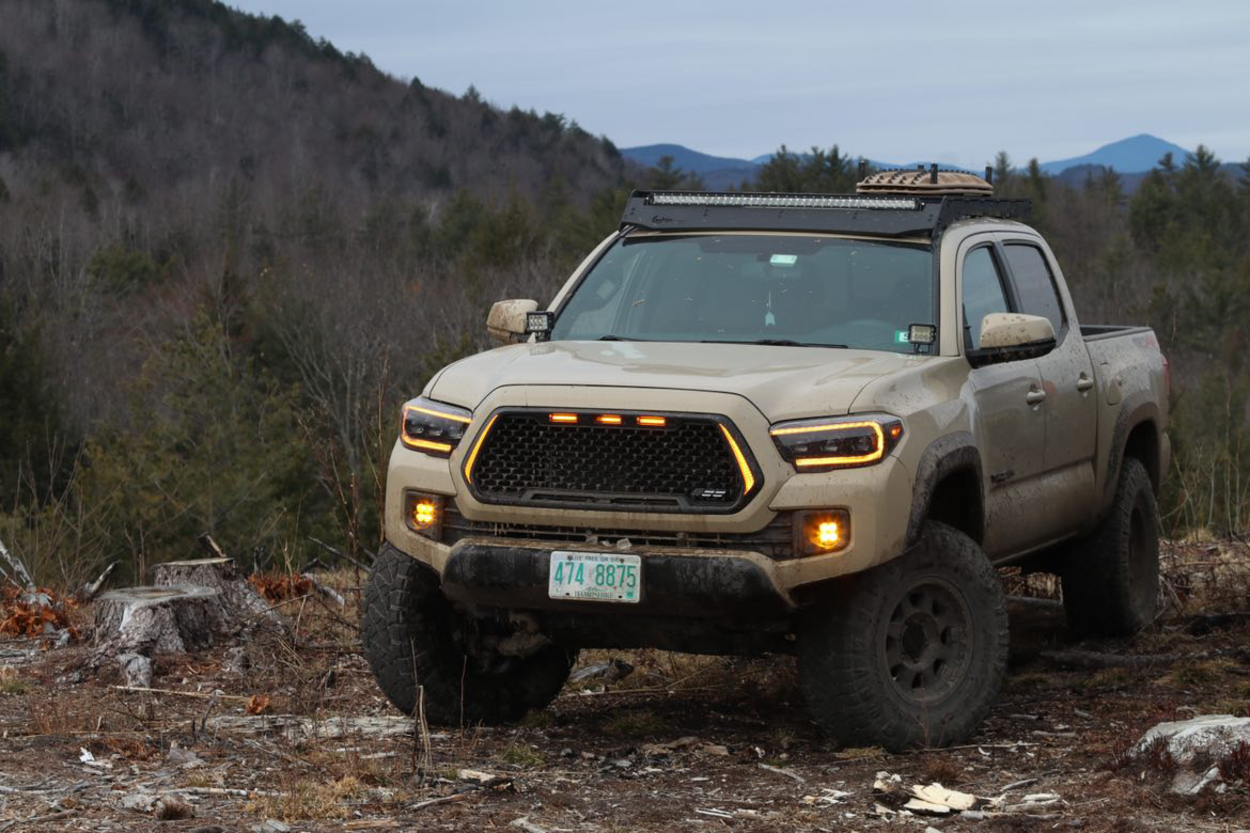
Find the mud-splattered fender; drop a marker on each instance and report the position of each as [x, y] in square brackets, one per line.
[1137, 410]
[943, 457]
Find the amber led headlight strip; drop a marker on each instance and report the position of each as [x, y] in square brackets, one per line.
[433, 428]
[847, 442]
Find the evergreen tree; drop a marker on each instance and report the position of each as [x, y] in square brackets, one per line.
[30, 428]
[665, 176]
[1002, 169]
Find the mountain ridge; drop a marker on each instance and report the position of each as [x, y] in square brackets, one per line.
[1132, 155]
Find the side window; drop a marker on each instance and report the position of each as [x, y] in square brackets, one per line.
[1034, 283]
[983, 293]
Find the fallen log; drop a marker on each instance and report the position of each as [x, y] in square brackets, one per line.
[17, 571]
[1098, 660]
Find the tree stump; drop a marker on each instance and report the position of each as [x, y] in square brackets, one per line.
[164, 620]
[134, 623]
[240, 603]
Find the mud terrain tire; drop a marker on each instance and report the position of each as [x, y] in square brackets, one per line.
[1111, 578]
[910, 653]
[407, 621]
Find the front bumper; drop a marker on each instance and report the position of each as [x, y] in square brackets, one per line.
[501, 575]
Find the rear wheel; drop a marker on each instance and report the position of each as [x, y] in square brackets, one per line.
[1111, 578]
[412, 635]
[910, 653]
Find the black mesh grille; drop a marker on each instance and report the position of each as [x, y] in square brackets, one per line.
[686, 465]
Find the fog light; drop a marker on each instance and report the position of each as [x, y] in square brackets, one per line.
[822, 532]
[425, 515]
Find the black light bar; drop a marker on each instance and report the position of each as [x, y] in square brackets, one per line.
[749, 200]
[887, 215]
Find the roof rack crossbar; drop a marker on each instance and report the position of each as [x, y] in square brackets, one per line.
[891, 215]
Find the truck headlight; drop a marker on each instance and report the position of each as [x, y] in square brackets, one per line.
[843, 442]
[432, 427]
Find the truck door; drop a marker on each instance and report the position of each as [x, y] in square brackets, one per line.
[1068, 377]
[1006, 408]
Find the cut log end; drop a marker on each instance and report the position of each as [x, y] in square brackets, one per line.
[148, 620]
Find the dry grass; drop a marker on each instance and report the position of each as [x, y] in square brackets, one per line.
[311, 800]
[943, 770]
[635, 723]
[1200, 674]
[1205, 576]
[522, 755]
[12, 683]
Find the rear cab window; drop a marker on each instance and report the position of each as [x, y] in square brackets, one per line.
[1035, 284]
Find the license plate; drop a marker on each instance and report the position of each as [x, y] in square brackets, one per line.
[595, 576]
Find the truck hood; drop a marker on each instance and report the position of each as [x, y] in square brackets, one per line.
[782, 382]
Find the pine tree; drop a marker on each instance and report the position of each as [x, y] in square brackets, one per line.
[665, 176]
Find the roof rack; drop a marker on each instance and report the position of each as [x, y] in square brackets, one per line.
[885, 214]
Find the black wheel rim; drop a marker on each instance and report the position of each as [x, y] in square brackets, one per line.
[927, 644]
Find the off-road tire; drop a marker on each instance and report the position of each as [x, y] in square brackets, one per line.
[910, 653]
[1111, 577]
[409, 634]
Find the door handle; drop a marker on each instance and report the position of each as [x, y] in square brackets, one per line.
[1084, 383]
[1035, 397]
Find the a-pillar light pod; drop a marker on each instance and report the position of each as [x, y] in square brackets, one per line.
[539, 323]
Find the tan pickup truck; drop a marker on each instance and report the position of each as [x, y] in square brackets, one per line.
[772, 423]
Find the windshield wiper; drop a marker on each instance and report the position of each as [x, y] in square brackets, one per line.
[773, 342]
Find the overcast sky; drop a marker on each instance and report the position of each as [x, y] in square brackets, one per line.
[889, 79]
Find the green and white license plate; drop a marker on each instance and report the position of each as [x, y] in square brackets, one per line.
[595, 576]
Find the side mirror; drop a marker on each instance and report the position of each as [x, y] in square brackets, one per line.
[506, 321]
[1011, 336]
[1013, 329]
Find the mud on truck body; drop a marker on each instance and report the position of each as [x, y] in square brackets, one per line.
[776, 423]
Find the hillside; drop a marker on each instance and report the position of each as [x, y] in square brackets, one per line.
[160, 97]
[206, 212]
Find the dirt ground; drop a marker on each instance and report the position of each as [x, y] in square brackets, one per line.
[290, 734]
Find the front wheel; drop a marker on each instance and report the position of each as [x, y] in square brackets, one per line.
[413, 636]
[910, 653]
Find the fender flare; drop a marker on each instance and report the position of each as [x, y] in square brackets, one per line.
[945, 456]
[1132, 415]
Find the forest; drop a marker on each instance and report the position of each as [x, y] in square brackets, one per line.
[228, 252]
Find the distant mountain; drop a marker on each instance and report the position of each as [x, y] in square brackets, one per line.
[684, 158]
[717, 172]
[1133, 155]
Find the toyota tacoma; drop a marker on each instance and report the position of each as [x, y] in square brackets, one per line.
[776, 423]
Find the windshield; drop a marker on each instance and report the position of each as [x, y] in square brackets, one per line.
[754, 288]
